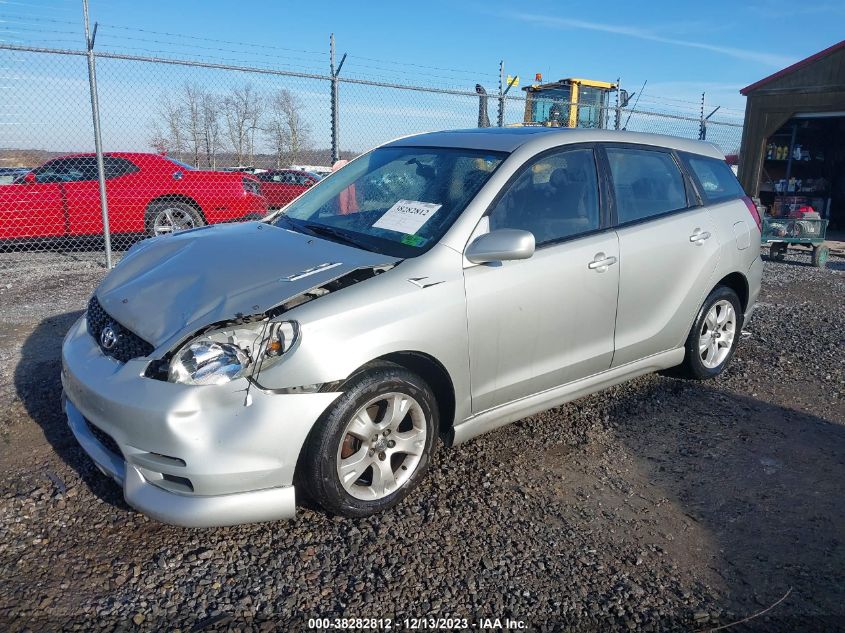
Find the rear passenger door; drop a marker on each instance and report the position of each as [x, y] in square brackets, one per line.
[668, 251]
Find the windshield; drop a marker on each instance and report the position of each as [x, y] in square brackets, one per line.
[398, 201]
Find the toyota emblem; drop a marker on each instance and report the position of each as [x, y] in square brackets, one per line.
[108, 337]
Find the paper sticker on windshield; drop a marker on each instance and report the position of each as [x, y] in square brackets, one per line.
[407, 216]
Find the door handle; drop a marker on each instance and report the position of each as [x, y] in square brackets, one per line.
[601, 262]
[698, 236]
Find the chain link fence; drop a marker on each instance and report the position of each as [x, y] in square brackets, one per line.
[187, 143]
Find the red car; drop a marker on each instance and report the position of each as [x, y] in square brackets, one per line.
[147, 193]
[280, 186]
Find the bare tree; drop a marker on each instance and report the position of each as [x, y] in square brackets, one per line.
[168, 136]
[286, 128]
[159, 140]
[211, 129]
[242, 110]
[192, 104]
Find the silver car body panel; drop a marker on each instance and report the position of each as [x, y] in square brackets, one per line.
[230, 442]
[256, 267]
[532, 326]
[516, 410]
[663, 279]
[513, 337]
[384, 315]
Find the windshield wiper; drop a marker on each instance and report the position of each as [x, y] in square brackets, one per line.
[329, 231]
[286, 220]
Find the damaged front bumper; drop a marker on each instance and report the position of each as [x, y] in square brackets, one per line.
[196, 456]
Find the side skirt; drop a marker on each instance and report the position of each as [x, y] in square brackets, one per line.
[524, 407]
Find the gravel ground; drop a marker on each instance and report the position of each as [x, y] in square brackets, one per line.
[656, 505]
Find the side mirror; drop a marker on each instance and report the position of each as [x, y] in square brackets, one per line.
[500, 246]
[177, 175]
[29, 179]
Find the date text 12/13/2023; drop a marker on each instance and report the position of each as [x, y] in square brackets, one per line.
[417, 624]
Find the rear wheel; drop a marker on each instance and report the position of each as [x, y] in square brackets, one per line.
[820, 256]
[373, 444]
[714, 335]
[166, 217]
[777, 251]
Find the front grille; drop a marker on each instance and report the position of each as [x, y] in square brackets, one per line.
[127, 345]
[104, 438]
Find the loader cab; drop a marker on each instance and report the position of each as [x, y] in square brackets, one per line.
[568, 103]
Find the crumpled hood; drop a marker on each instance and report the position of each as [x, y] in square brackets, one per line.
[190, 280]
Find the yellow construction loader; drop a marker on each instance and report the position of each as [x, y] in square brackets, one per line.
[571, 103]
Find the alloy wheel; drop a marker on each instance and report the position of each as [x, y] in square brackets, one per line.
[172, 219]
[717, 334]
[381, 446]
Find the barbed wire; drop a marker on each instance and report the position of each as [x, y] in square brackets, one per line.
[51, 41]
[404, 76]
[32, 30]
[450, 70]
[398, 71]
[197, 46]
[401, 70]
[111, 41]
[182, 36]
[28, 18]
[245, 64]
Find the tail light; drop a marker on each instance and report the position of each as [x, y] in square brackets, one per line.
[251, 186]
[755, 213]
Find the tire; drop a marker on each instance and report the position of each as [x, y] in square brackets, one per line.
[367, 445]
[179, 216]
[821, 254]
[698, 363]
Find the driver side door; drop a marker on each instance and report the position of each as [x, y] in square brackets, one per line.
[539, 323]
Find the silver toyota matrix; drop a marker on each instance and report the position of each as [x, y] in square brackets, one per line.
[438, 287]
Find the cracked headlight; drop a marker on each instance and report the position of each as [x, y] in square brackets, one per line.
[229, 353]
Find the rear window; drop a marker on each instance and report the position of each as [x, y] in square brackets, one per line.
[715, 179]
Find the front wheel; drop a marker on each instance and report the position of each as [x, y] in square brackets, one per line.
[373, 444]
[714, 335]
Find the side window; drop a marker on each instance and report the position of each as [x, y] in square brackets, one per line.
[555, 197]
[714, 178]
[80, 169]
[51, 171]
[646, 182]
[115, 166]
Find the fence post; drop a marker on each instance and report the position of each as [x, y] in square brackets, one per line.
[618, 120]
[503, 91]
[335, 112]
[98, 141]
[501, 118]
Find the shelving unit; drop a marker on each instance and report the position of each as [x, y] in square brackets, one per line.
[791, 182]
